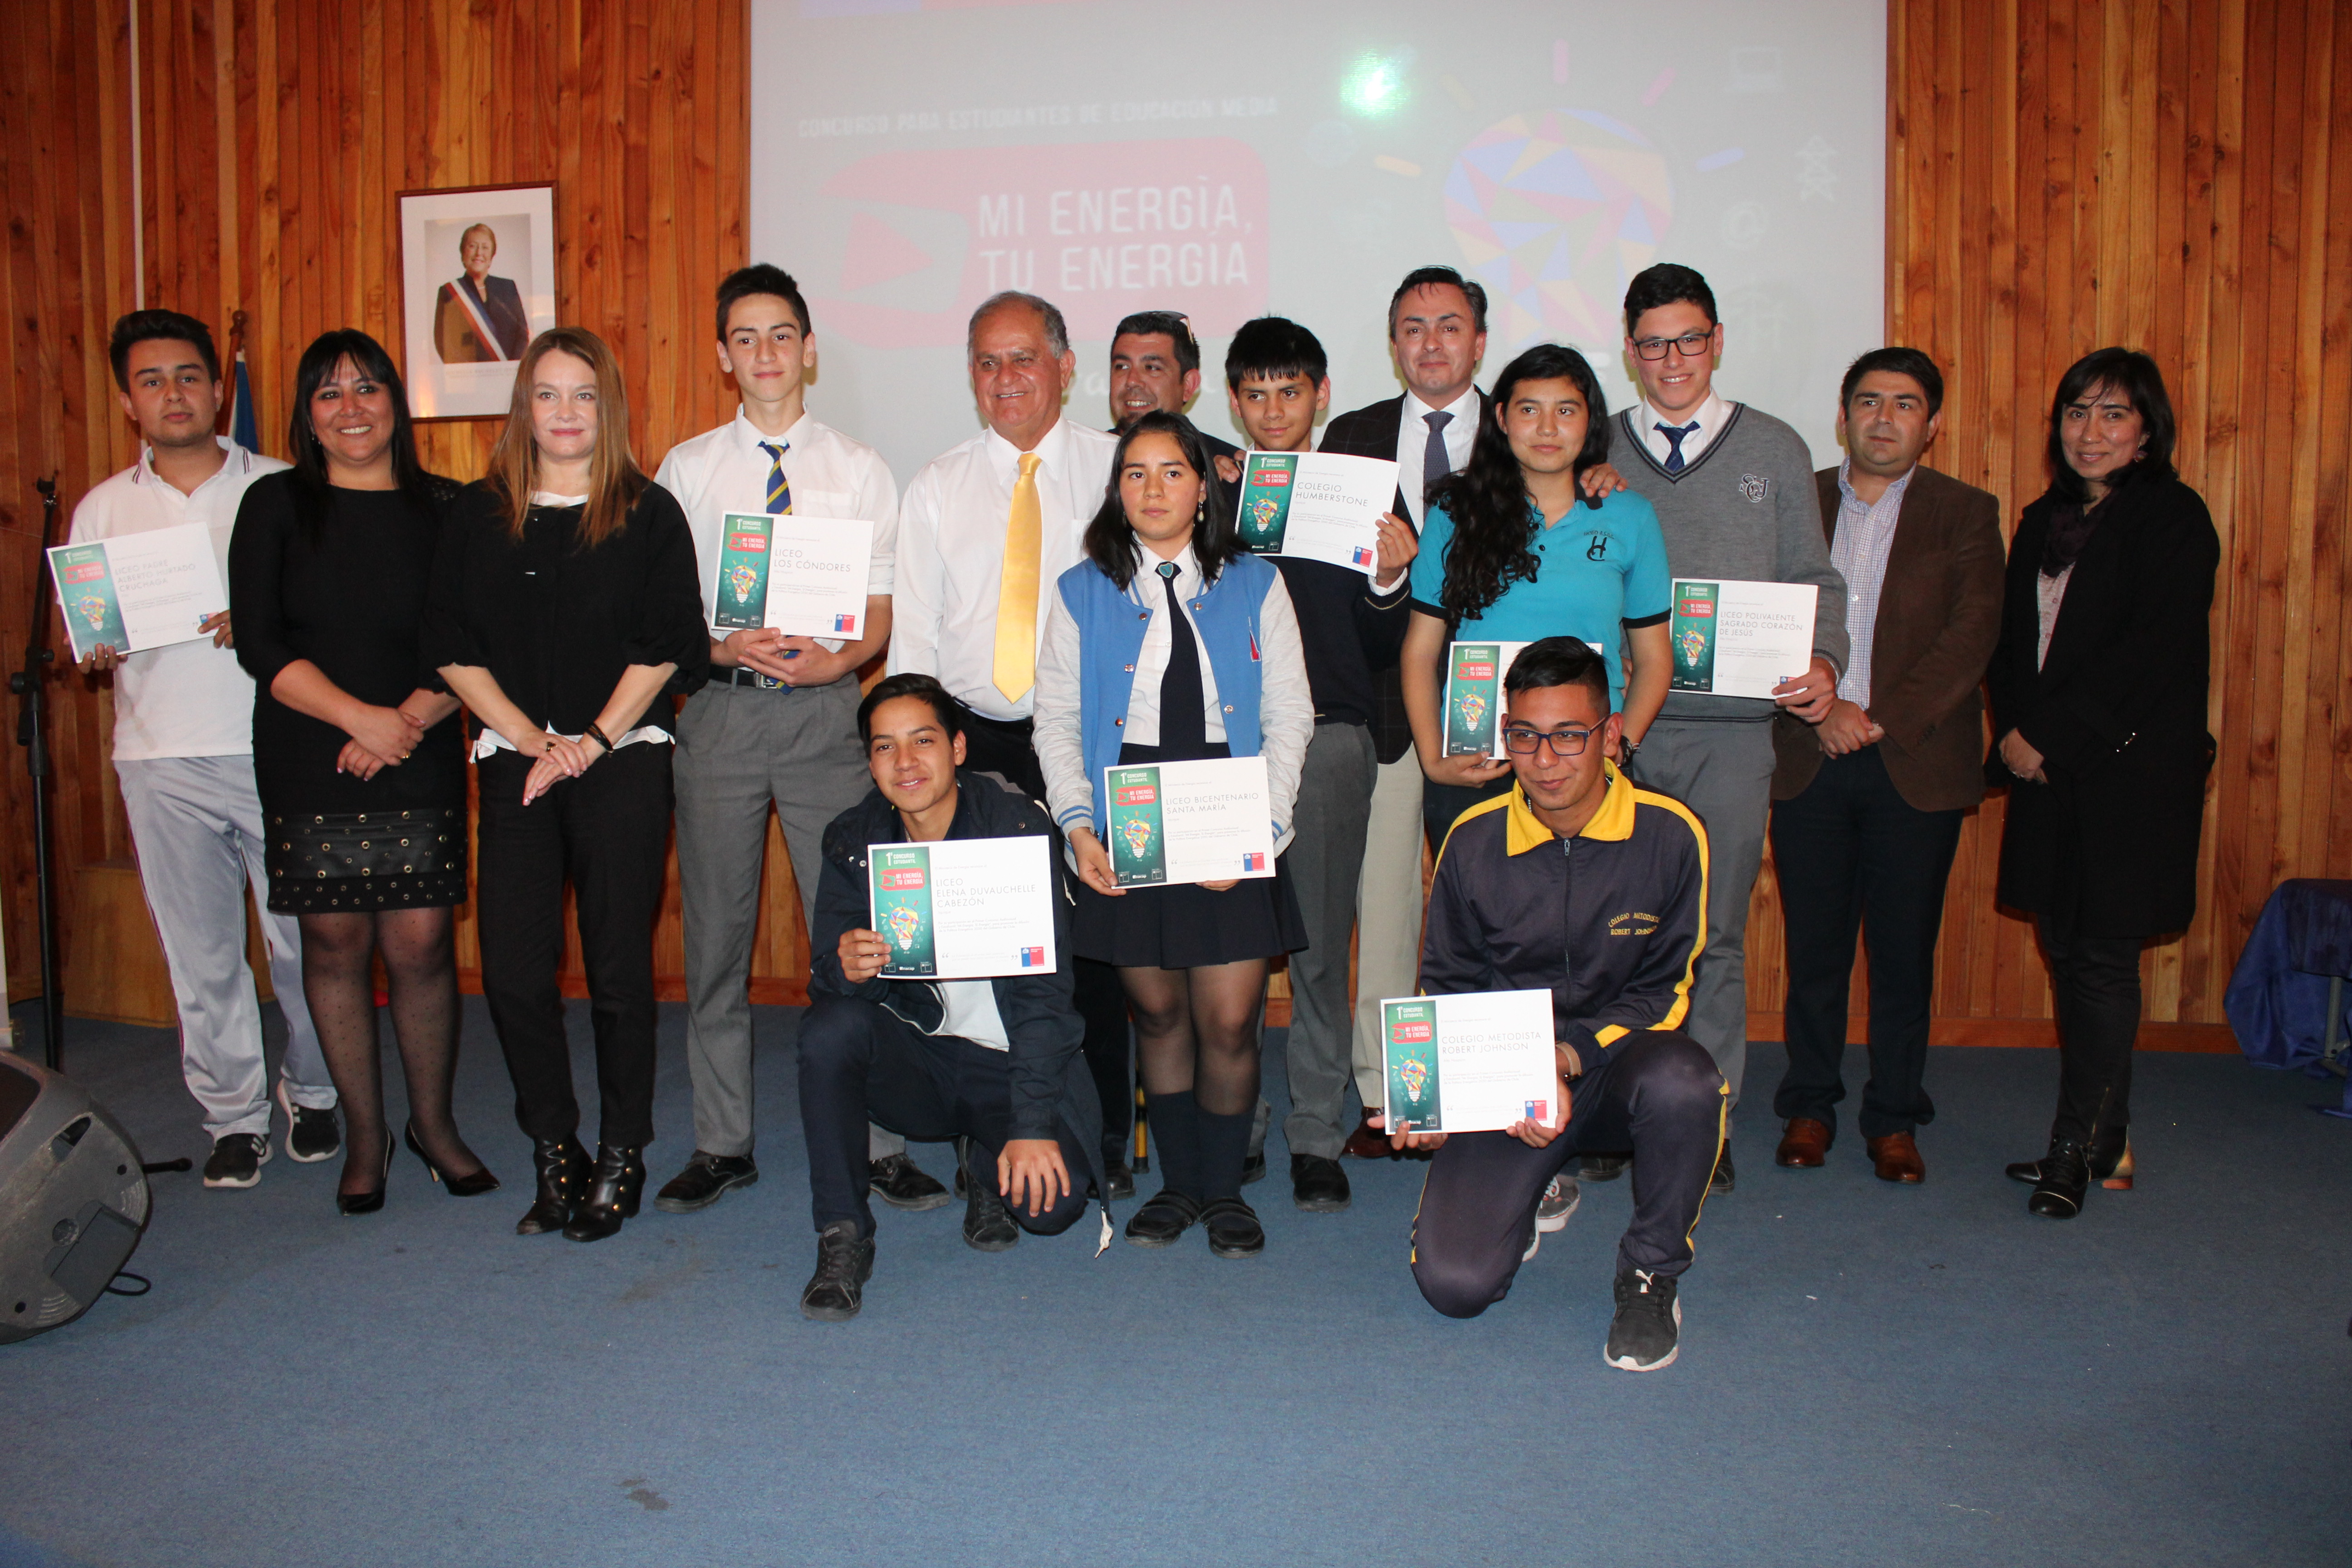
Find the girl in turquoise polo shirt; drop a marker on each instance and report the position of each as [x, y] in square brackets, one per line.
[1508, 554]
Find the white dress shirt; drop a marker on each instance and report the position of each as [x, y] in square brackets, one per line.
[724, 470]
[969, 1010]
[1866, 534]
[1413, 445]
[1286, 708]
[1712, 416]
[952, 529]
[1142, 728]
[191, 698]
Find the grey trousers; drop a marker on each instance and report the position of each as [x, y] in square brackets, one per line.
[196, 823]
[1723, 770]
[1388, 914]
[1326, 862]
[740, 751]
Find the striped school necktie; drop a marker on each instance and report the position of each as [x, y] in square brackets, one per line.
[780, 489]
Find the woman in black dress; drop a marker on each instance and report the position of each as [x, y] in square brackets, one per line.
[2098, 694]
[362, 780]
[1170, 642]
[564, 609]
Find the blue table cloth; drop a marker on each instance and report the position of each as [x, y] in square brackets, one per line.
[2277, 999]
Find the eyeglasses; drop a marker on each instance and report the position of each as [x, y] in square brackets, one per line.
[1521, 743]
[1690, 344]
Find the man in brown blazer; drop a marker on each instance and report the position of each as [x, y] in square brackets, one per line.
[1867, 803]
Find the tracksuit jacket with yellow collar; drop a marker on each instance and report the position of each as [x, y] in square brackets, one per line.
[1610, 922]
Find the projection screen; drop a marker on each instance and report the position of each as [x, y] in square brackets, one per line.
[1292, 158]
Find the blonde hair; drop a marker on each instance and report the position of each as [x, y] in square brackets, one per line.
[615, 480]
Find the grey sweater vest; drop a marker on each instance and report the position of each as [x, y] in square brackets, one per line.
[1746, 508]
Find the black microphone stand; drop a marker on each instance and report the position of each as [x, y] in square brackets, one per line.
[30, 685]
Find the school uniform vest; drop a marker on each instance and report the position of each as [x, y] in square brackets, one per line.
[1111, 625]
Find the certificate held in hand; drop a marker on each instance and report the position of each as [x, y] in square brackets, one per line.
[803, 576]
[1189, 822]
[1475, 1062]
[1320, 505]
[139, 590]
[964, 909]
[1742, 639]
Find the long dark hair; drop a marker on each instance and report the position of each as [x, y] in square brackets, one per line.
[1487, 499]
[2135, 375]
[1110, 542]
[312, 494]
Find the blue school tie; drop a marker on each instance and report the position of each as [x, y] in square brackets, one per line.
[780, 489]
[1183, 726]
[1674, 435]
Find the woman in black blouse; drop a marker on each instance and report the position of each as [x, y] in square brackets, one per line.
[362, 784]
[2098, 693]
[563, 609]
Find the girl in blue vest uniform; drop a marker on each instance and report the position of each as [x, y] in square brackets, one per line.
[1170, 644]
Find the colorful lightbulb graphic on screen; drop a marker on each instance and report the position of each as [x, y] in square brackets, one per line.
[1555, 213]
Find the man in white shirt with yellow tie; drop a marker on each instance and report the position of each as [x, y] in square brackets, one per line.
[984, 531]
[776, 726]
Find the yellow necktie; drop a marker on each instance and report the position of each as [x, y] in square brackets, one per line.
[1017, 600]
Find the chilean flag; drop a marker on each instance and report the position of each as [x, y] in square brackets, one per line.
[1033, 958]
[1359, 556]
[845, 624]
[1253, 861]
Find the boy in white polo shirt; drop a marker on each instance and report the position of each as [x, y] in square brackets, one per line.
[184, 754]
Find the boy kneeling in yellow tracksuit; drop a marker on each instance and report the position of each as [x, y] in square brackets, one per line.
[1580, 883]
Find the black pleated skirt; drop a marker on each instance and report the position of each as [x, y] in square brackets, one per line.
[1186, 926]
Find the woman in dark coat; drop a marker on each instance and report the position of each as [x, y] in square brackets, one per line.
[2098, 691]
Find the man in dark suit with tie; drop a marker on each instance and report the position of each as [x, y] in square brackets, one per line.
[1437, 331]
[1868, 802]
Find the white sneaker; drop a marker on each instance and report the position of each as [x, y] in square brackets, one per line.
[1559, 1202]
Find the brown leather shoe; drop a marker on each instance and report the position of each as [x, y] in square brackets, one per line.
[1804, 1143]
[1366, 1142]
[1896, 1158]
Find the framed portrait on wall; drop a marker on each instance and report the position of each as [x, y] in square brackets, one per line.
[477, 284]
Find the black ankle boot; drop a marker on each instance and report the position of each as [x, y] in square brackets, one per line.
[2066, 1174]
[563, 1172]
[613, 1196]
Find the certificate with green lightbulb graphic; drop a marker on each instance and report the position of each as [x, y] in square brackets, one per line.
[1204, 821]
[138, 591]
[804, 575]
[964, 909]
[1475, 1062]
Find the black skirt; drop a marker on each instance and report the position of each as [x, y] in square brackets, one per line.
[1187, 926]
[328, 863]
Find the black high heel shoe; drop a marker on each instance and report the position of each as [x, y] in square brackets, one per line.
[620, 1180]
[348, 1203]
[472, 1187]
[563, 1172]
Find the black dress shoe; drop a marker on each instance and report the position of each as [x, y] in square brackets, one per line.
[2109, 1154]
[2065, 1176]
[1318, 1185]
[1169, 1215]
[900, 1182]
[563, 1174]
[619, 1182]
[1602, 1167]
[705, 1179]
[1724, 1177]
[987, 1224]
[1121, 1180]
[844, 1264]
[1254, 1167]
[1233, 1228]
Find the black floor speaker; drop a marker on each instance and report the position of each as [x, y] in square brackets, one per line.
[73, 1199]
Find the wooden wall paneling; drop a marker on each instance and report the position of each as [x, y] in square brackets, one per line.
[2171, 173]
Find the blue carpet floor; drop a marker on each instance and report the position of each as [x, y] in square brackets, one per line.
[1869, 1375]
